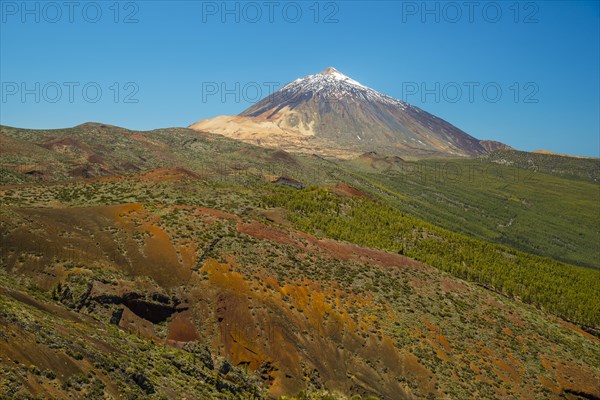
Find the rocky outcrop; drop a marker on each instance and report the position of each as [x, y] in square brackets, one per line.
[154, 306]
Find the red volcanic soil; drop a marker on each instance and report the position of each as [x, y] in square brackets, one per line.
[570, 377]
[290, 327]
[266, 232]
[343, 189]
[164, 174]
[313, 334]
[182, 329]
[337, 250]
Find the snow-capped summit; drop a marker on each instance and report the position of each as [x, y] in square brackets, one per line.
[333, 85]
[327, 77]
[331, 110]
[331, 72]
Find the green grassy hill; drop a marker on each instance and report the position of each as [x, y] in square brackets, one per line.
[531, 211]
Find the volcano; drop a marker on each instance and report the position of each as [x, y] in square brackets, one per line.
[330, 113]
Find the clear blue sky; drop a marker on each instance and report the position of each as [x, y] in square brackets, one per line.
[171, 51]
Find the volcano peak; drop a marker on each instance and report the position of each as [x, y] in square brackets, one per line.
[331, 111]
[330, 71]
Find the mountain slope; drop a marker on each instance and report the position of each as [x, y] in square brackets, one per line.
[209, 274]
[329, 112]
[180, 263]
[540, 204]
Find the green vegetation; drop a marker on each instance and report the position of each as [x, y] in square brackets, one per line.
[537, 203]
[569, 291]
[586, 169]
[529, 210]
[88, 224]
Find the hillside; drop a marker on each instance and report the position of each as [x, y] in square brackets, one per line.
[186, 277]
[587, 169]
[540, 211]
[500, 198]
